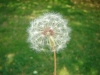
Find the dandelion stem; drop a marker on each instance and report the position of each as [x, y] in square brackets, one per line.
[52, 45]
[54, 62]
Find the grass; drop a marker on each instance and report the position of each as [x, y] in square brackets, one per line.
[80, 57]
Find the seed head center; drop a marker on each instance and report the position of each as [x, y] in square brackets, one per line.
[48, 31]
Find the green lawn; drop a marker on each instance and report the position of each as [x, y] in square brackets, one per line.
[80, 57]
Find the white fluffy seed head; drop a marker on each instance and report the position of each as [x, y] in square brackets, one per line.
[50, 24]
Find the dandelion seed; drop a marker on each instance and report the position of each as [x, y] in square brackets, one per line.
[50, 24]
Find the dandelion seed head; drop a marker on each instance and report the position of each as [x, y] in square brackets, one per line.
[50, 24]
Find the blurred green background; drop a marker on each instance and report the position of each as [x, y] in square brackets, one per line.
[80, 57]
